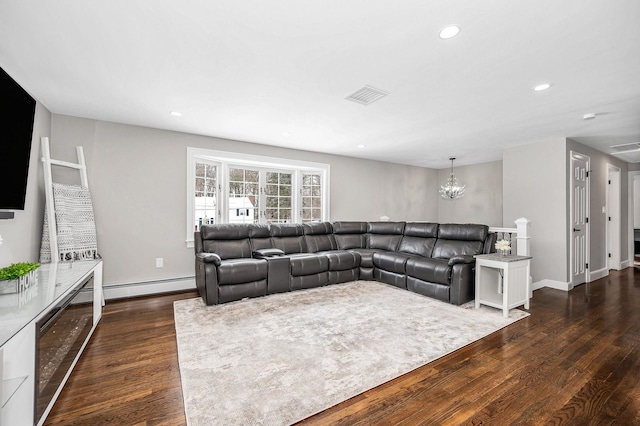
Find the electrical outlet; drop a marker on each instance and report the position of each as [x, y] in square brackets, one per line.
[159, 262]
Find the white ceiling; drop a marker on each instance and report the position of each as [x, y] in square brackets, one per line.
[276, 72]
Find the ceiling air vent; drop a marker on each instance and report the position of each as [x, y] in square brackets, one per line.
[629, 152]
[367, 95]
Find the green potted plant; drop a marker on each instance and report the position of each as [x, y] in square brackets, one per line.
[17, 276]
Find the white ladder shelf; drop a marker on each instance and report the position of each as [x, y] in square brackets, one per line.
[48, 162]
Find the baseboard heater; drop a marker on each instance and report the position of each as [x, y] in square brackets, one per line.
[120, 291]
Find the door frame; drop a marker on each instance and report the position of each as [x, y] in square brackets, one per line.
[630, 220]
[574, 155]
[613, 237]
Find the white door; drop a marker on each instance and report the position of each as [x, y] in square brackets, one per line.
[613, 218]
[579, 218]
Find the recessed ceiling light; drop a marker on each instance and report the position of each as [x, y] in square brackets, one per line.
[176, 113]
[449, 32]
[589, 116]
[286, 134]
[541, 87]
[362, 145]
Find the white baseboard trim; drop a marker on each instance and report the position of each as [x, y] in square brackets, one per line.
[600, 273]
[558, 285]
[626, 264]
[119, 291]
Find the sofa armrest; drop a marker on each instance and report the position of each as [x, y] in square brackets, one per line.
[461, 258]
[209, 258]
[267, 252]
[462, 287]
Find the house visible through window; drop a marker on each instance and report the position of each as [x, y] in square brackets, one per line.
[225, 187]
[205, 194]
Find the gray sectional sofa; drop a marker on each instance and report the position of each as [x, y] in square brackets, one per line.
[235, 261]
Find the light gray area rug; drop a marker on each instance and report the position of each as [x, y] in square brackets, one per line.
[278, 359]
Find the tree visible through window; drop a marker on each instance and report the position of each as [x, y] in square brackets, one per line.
[278, 197]
[229, 187]
[311, 198]
[206, 189]
[244, 194]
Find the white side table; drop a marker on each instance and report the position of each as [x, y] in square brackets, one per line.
[502, 281]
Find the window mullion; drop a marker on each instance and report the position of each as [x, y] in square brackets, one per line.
[262, 178]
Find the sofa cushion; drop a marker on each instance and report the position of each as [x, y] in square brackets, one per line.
[388, 228]
[239, 271]
[446, 249]
[417, 246]
[288, 237]
[350, 235]
[346, 227]
[318, 236]
[308, 263]
[456, 239]
[366, 257]
[385, 235]
[421, 229]
[342, 260]
[464, 232]
[419, 238]
[229, 241]
[260, 237]
[430, 270]
[390, 261]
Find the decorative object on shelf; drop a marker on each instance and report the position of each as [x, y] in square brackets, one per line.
[503, 247]
[452, 190]
[17, 277]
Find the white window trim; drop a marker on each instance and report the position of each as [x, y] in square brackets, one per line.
[225, 159]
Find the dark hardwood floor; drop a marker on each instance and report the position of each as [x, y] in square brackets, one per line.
[575, 360]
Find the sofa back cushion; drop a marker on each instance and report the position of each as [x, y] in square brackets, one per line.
[456, 239]
[350, 235]
[385, 235]
[319, 237]
[419, 238]
[260, 236]
[288, 237]
[229, 240]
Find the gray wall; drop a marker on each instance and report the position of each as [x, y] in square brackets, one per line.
[534, 186]
[537, 185]
[482, 201]
[22, 234]
[598, 198]
[137, 177]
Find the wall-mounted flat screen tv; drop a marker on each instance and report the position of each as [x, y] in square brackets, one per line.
[17, 110]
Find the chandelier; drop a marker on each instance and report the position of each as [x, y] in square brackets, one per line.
[452, 190]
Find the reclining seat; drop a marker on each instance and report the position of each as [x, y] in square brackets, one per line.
[417, 241]
[389, 265]
[449, 274]
[352, 236]
[225, 270]
[308, 270]
[344, 265]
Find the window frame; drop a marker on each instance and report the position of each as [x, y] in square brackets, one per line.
[224, 160]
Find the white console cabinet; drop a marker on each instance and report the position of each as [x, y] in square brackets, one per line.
[22, 317]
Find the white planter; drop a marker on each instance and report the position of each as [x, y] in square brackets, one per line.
[19, 284]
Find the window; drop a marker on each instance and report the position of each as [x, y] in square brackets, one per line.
[206, 190]
[278, 197]
[311, 197]
[244, 194]
[225, 187]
